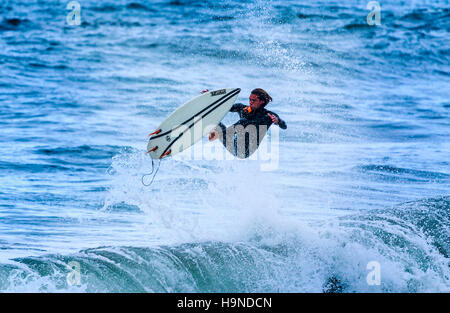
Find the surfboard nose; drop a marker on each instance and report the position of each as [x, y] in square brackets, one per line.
[236, 90]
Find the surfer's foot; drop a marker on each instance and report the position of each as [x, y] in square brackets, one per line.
[213, 135]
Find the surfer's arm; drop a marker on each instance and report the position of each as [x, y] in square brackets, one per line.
[282, 124]
[277, 120]
[237, 107]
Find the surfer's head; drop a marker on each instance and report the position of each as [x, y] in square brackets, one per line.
[259, 98]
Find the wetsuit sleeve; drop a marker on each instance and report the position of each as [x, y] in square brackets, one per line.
[237, 107]
[281, 123]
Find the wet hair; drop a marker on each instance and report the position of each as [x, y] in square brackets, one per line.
[262, 95]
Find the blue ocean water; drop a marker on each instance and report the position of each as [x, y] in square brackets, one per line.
[363, 173]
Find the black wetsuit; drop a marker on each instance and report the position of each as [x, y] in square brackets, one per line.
[249, 130]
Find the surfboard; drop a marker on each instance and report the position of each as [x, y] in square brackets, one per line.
[190, 122]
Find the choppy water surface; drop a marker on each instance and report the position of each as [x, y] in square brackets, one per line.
[362, 171]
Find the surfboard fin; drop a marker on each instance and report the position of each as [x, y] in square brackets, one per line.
[155, 132]
[167, 153]
[153, 149]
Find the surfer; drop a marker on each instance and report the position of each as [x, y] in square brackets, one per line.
[243, 137]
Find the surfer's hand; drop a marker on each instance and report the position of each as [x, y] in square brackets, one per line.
[213, 135]
[205, 90]
[275, 119]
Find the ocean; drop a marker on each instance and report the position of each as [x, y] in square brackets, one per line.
[354, 195]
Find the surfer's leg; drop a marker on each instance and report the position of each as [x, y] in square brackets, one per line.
[241, 141]
[246, 140]
[217, 132]
[222, 129]
[226, 134]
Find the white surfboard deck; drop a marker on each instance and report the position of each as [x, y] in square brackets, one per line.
[190, 122]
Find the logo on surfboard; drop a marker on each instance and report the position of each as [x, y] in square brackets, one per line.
[218, 92]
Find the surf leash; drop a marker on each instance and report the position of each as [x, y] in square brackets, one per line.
[148, 174]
